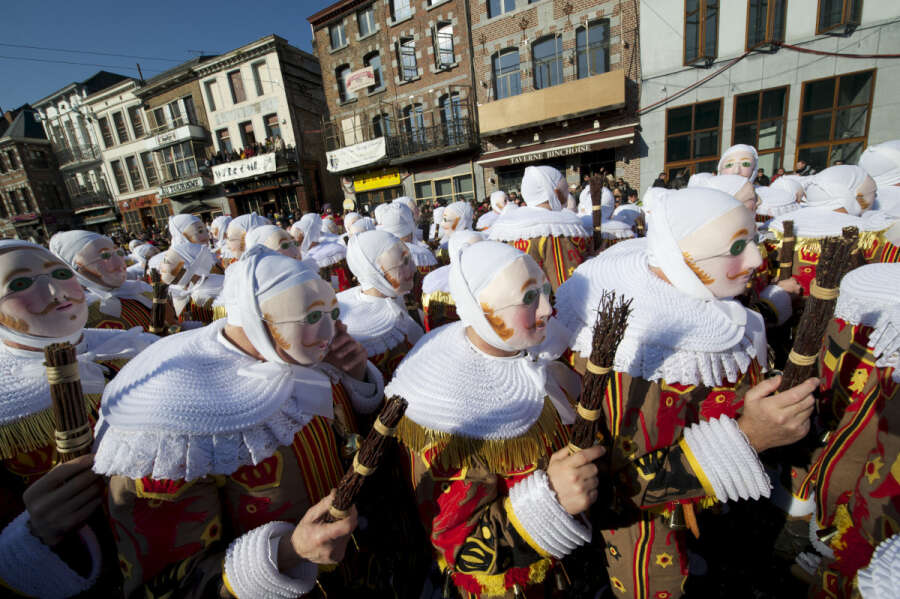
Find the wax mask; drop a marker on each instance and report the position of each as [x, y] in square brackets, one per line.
[865, 193]
[301, 321]
[499, 205]
[397, 268]
[739, 163]
[196, 232]
[102, 262]
[234, 239]
[516, 303]
[283, 243]
[449, 222]
[171, 267]
[40, 295]
[746, 195]
[723, 253]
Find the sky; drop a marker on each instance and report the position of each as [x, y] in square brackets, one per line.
[161, 29]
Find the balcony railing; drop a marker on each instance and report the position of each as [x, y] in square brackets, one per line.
[74, 154]
[173, 124]
[89, 197]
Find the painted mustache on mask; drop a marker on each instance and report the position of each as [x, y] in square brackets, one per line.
[738, 275]
[56, 304]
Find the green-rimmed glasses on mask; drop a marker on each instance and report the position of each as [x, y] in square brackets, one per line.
[286, 245]
[22, 283]
[313, 317]
[742, 164]
[737, 248]
[531, 297]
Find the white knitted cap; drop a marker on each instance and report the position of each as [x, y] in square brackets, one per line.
[775, 201]
[142, 252]
[539, 185]
[741, 149]
[463, 211]
[177, 224]
[66, 244]
[835, 188]
[260, 235]
[361, 224]
[395, 218]
[379, 211]
[789, 184]
[406, 201]
[363, 250]
[247, 222]
[460, 239]
[730, 184]
[882, 162]
[498, 199]
[350, 218]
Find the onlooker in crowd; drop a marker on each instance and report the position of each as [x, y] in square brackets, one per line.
[803, 168]
[761, 178]
[778, 172]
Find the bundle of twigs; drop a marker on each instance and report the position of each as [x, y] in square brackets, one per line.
[596, 200]
[160, 299]
[74, 434]
[366, 459]
[612, 319]
[640, 225]
[851, 236]
[818, 312]
[786, 255]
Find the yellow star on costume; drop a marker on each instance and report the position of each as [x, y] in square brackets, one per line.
[617, 584]
[873, 469]
[212, 533]
[858, 380]
[664, 560]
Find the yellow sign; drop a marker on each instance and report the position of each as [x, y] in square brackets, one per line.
[371, 181]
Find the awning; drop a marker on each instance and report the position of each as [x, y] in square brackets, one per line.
[588, 141]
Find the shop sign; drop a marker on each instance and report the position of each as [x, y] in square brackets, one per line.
[356, 155]
[360, 79]
[238, 169]
[550, 153]
[371, 181]
[167, 137]
[180, 187]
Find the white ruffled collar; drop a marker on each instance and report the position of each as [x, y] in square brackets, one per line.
[23, 376]
[869, 297]
[455, 388]
[670, 335]
[818, 223]
[109, 299]
[379, 324]
[201, 292]
[487, 220]
[528, 222]
[421, 255]
[327, 254]
[437, 280]
[196, 405]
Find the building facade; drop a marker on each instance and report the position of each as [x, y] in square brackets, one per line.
[264, 104]
[67, 124]
[556, 84]
[33, 202]
[128, 162]
[780, 76]
[398, 79]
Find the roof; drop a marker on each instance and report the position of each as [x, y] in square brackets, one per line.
[330, 12]
[24, 125]
[94, 83]
[177, 70]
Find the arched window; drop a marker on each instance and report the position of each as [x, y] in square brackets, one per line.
[506, 74]
[373, 59]
[381, 125]
[414, 125]
[547, 56]
[341, 74]
[592, 48]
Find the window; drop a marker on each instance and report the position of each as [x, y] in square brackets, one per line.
[189, 110]
[414, 124]
[701, 31]
[341, 74]
[692, 137]
[443, 45]
[449, 190]
[2, 165]
[834, 119]
[41, 159]
[119, 175]
[159, 115]
[273, 128]
[499, 7]
[149, 168]
[11, 157]
[121, 129]
[134, 115]
[409, 70]
[452, 124]
[401, 9]
[224, 141]
[237, 87]
[337, 36]
[506, 73]
[178, 161]
[248, 138]
[4, 212]
[592, 48]
[105, 133]
[759, 121]
[373, 60]
[210, 87]
[365, 18]
[256, 68]
[547, 56]
[175, 113]
[381, 125]
[834, 13]
[765, 22]
[134, 173]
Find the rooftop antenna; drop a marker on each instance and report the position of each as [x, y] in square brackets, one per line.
[140, 74]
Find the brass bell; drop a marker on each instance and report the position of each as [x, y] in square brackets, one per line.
[676, 518]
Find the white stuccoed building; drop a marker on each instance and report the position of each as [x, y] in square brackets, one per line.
[788, 103]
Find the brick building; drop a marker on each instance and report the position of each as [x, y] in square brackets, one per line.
[266, 99]
[398, 83]
[33, 203]
[557, 85]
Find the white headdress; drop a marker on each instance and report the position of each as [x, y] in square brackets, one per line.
[463, 210]
[835, 188]
[363, 251]
[882, 162]
[730, 184]
[177, 224]
[497, 198]
[395, 218]
[260, 235]
[775, 201]
[311, 227]
[586, 206]
[741, 149]
[539, 185]
[790, 184]
[220, 224]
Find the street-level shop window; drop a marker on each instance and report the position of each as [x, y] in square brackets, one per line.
[133, 220]
[373, 60]
[838, 13]
[692, 138]
[547, 55]
[592, 48]
[445, 190]
[443, 44]
[765, 22]
[336, 35]
[834, 119]
[701, 31]
[759, 121]
[161, 216]
[506, 74]
[237, 87]
[409, 70]
[134, 173]
[365, 18]
[273, 128]
[401, 9]
[149, 168]
[499, 7]
[105, 132]
[119, 176]
[137, 124]
[121, 129]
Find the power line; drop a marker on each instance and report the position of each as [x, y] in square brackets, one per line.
[89, 52]
[84, 64]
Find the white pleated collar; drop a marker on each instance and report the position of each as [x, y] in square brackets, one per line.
[528, 222]
[379, 324]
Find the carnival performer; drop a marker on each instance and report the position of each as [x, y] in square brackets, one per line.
[113, 301]
[397, 219]
[774, 202]
[193, 286]
[223, 444]
[416, 215]
[685, 409]
[882, 162]
[276, 239]
[735, 185]
[498, 203]
[141, 254]
[187, 228]
[374, 312]
[486, 433]
[438, 306]
[46, 548]
[554, 237]
[586, 207]
[329, 255]
[852, 489]
[234, 236]
[435, 234]
[217, 229]
[356, 225]
[740, 159]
